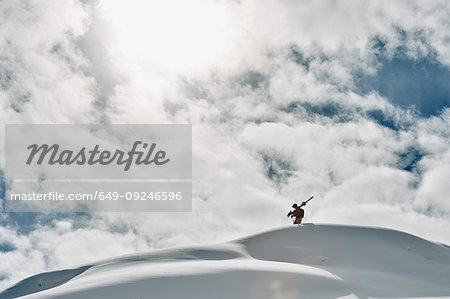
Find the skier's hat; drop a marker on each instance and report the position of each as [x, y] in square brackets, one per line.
[294, 205]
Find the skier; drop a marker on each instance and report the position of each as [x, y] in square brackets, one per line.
[298, 212]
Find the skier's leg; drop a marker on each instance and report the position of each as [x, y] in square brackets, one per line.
[298, 220]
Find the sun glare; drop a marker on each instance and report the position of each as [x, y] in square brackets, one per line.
[171, 35]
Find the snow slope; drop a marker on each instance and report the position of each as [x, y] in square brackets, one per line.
[310, 261]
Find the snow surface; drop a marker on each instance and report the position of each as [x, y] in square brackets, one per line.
[308, 261]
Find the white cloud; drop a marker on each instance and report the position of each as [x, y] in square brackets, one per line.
[43, 80]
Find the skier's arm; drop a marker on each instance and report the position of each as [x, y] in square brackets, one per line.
[289, 214]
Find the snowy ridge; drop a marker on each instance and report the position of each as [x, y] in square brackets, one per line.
[310, 261]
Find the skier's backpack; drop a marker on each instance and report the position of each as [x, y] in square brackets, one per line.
[299, 212]
[302, 213]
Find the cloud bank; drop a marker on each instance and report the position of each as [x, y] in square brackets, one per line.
[344, 100]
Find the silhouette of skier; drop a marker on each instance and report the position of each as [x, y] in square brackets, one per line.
[298, 213]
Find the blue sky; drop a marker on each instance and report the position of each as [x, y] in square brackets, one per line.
[344, 100]
[411, 84]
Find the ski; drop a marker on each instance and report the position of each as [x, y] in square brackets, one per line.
[305, 202]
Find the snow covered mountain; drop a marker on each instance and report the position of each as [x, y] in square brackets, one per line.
[310, 261]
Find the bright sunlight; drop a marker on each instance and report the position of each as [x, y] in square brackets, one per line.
[171, 35]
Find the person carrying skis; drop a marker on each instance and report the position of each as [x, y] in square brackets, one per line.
[298, 213]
